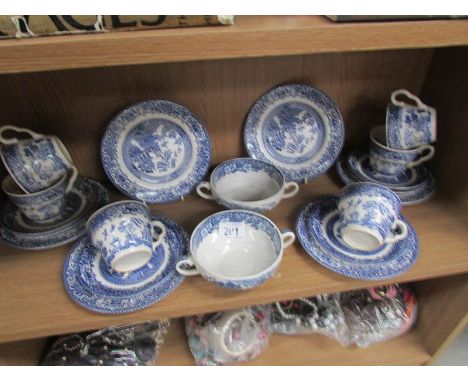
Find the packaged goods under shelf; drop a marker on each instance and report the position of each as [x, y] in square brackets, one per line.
[307, 350]
[33, 302]
[251, 36]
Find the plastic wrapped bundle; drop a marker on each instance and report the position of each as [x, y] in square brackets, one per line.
[320, 314]
[128, 345]
[378, 314]
[228, 337]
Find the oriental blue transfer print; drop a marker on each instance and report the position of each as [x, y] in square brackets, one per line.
[409, 127]
[156, 151]
[297, 128]
[87, 197]
[314, 228]
[90, 283]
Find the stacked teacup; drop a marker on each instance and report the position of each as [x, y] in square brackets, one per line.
[404, 142]
[41, 174]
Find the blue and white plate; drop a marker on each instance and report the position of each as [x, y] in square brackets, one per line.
[315, 231]
[414, 195]
[297, 128]
[92, 285]
[18, 231]
[156, 151]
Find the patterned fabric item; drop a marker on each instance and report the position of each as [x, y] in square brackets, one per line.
[228, 337]
[128, 345]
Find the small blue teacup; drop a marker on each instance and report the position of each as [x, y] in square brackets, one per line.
[43, 206]
[407, 125]
[125, 235]
[390, 161]
[369, 216]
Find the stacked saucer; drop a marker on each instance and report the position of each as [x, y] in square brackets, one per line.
[90, 270]
[396, 152]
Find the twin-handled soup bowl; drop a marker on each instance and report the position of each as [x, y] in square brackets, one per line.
[236, 249]
[246, 183]
[124, 234]
[369, 216]
[35, 163]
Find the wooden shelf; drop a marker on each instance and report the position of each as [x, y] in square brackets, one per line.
[251, 36]
[34, 304]
[307, 350]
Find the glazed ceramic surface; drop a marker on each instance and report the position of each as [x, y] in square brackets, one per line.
[35, 164]
[247, 183]
[297, 128]
[18, 231]
[315, 231]
[123, 234]
[236, 249]
[386, 160]
[409, 126]
[369, 216]
[89, 282]
[156, 151]
[41, 206]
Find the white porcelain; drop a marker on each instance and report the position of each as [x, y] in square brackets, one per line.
[409, 126]
[390, 161]
[38, 163]
[125, 235]
[236, 249]
[246, 183]
[369, 216]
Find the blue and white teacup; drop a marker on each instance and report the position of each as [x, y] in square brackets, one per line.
[409, 126]
[43, 206]
[247, 183]
[125, 235]
[38, 163]
[236, 249]
[390, 161]
[369, 216]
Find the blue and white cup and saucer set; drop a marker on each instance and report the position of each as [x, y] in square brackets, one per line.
[359, 232]
[47, 201]
[126, 261]
[397, 152]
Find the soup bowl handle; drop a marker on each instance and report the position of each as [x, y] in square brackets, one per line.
[203, 194]
[293, 188]
[187, 272]
[288, 237]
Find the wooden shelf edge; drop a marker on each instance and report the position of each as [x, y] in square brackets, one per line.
[251, 36]
[312, 349]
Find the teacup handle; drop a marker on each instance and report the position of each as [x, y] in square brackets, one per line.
[401, 225]
[187, 272]
[12, 141]
[157, 236]
[204, 195]
[424, 158]
[72, 180]
[405, 92]
[226, 322]
[288, 237]
[294, 189]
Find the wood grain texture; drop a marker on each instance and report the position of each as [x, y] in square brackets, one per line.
[443, 311]
[35, 278]
[312, 350]
[77, 105]
[251, 36]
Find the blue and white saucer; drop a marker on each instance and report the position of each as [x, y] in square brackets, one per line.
[297, 128]
[315, 231]
[414, 194]
[156, 151]
[90, 283]
[20, 232]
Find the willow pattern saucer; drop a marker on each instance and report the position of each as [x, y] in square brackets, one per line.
[297, 128]
[315, 231]
[156, 151]
[20, 232]
[92, 285]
